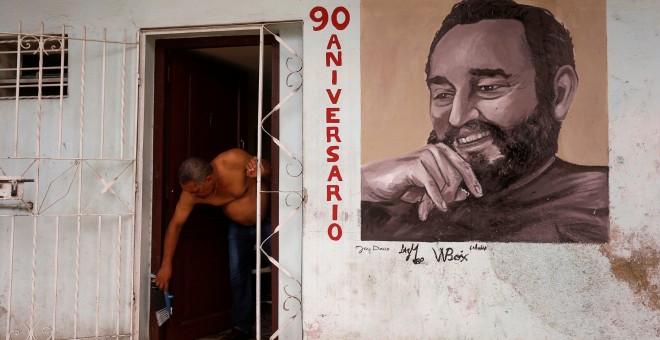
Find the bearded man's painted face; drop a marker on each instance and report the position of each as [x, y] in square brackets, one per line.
[484, 102]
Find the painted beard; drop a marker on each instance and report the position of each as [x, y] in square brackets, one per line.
[525, 148]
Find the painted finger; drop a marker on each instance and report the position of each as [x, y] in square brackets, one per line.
[429, 177]
[425, 208]
[463, 168]
[452, 177]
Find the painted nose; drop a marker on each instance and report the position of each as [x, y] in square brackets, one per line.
[463, 110]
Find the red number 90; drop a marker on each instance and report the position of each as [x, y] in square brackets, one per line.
[319, 15]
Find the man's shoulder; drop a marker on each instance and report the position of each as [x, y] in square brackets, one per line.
[230, 154]
[564, 174]
[230, 159]
[565, 167]
[563, 184]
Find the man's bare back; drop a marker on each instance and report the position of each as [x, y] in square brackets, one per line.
[231, 185]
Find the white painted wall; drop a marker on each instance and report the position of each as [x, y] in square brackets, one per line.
[28, 296]
[506, 291]
[369, 290]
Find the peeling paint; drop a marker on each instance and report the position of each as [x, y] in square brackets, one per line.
[638, 269]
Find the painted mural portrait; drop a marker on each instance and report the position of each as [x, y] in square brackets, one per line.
[501, 79]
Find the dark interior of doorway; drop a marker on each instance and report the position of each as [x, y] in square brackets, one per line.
[205, 101]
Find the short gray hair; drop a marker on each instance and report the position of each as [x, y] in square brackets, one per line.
[194, 169]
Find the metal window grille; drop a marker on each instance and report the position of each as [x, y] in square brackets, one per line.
[67, 237]
[33, 66]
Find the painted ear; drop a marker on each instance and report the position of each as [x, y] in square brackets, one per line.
[565, 86]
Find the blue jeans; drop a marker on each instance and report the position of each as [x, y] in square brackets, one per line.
[242, 260]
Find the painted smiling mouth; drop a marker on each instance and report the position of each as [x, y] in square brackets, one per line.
[473, 137]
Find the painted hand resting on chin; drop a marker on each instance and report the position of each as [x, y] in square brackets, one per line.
[431, 175]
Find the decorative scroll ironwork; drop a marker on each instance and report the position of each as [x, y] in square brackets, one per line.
[26, 43]
[30, 333]
[293, 80]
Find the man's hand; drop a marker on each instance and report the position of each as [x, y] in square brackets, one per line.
[251, 167]
[163, 277]
[431, 176]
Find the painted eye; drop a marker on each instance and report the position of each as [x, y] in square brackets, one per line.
[443, 95]
[490, 87]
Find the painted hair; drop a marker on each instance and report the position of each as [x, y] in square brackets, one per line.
[549, 41]
[194, 169]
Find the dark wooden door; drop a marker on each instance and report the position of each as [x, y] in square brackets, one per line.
[200, 109]
[202, 115]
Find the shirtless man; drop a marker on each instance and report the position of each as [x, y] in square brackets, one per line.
[229, 182]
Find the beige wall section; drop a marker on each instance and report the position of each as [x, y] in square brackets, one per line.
[395, 41]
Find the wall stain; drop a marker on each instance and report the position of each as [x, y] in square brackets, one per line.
[313, 330]
[638, 269]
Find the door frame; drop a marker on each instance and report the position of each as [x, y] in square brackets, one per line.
[147, 136]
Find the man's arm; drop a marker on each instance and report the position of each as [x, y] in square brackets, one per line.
[183, 208]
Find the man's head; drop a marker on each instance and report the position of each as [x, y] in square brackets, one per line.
[501, 78]
[195, 177]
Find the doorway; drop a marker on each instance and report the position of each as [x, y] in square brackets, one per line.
[205, 102]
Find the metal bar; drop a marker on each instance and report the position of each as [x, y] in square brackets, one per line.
[73, 158]
[18, 78]
[103, 72]
[59, 135]
[24, 51]
[57, 250]
[34, 272]
[113, 336]
[25, 97]
[11, 274]
[103, 94]
[40, 49]
[27, 38]
[39, 110]
[98, 274]
[22, 206]
[75, 303]
[136, 112]
[25, 85]
[118, 275]
[123, 98]
[27, 68]
[80, 166]
[201, 29]
[84, 38]
[259, 152]
[188, 30]
[82, 94]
